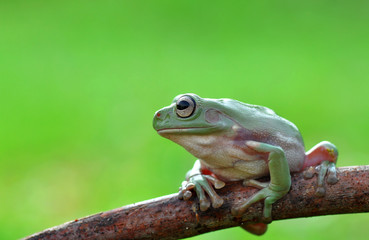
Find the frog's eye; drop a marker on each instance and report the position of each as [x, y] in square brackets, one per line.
[185, 106]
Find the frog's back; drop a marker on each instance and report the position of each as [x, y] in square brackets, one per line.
[264, 125]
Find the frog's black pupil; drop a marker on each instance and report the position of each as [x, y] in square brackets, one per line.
[183, 105]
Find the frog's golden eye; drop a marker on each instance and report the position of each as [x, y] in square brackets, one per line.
[185, 106]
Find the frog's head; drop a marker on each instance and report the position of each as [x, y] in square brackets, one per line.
[190, 114]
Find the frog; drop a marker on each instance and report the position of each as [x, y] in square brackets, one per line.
[236, 141]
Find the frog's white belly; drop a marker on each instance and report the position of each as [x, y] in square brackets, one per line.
[223, 157]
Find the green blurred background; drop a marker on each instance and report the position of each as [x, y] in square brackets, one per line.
[81, 80]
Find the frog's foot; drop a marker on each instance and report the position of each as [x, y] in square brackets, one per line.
[280, 181]
[269, 197]
[200, 183]
[325, 169]
[321, 160]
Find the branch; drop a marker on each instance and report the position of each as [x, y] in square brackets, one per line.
[169, 218]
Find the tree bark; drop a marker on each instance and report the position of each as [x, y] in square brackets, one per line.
[168, 217]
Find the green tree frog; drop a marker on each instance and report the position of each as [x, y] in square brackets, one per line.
[235, 141]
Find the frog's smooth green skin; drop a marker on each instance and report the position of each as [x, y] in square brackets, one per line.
[236, 141]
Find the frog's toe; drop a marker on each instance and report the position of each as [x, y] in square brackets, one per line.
[187, 195]
[184, 190]
[204, 204]
[332, 179]
[218, 184]
[184, 195]
[217, 202]
[255, 183]
[332, 174]
[214, 197]
[239, 210]
[236, 211]
[320, 191]
[309, 173]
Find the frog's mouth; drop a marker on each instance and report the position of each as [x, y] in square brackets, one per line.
[184, 130]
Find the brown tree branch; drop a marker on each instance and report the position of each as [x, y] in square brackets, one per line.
[169, 218]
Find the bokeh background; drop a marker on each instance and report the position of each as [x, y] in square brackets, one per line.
[81, 80]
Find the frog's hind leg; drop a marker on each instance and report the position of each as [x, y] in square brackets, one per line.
[321, 159]
[280, 180]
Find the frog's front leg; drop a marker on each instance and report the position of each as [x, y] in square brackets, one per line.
[280, 180]
[195, 179]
